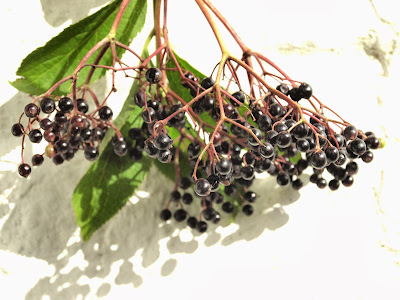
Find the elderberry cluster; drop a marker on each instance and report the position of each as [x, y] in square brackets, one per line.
[67, 127]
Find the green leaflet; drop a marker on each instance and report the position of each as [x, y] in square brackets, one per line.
[46, 65]
[111, 180]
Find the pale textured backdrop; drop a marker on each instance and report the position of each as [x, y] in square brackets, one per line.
[312, 245]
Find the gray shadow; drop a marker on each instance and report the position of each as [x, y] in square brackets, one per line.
[57, 12]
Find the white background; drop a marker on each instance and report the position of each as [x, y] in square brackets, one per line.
[312, 245]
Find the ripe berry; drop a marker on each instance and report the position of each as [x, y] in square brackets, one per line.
[283, 179]
[180, 215]
[202, 187]
[207, 82]
[58, 159]
[248, 210]
[372, 142]
[194, 150]
[35, 136]
[140, 98]
[318, 159]
[305, 90]
[209, 213]
[24, 170]
[66, 104]
[105, 113]
[239, 96]
[165, 214]
[149, 115]
[264, 123]
[121, 148]
[297, 184]
[250, 196]
[367, 157]
[247, 172]
[224, 166]
[358, 146]
[37, 160]
[153, 75]
[275, 109]
[163, 141]
[17, 130]
[350, 132]
[321, 183]
[82, 106]
[334, 184]
[91, 153]
[352, 168]
[251, 140]
[60, 118]
[31, 110]
[283, 88]
[187, 83]
[348, 181]
[283, 139]
[227, 207]
[295, 94]
[47, 105]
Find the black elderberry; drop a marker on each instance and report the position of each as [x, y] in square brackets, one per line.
[295, 94]
[105, 113]
[297, 184]
[372, 142]
[350, 132]
[37, 160]
[58, 159]
[342, 159]
[207, 82]
[163, 141]
[153, 75]
[267, 150]
[24, 170]
[318, 159]
[47, 105]
[164, 156]
[165, 214]
[240, 98]
[69, 154]
[271, 136]
[250, 196]
[194, 150]
[264, 123]
[230, 190]
[321, 183]
[332, 154]
[224, 166]
[303, 145]
[348, 181]
[202, 187]
[60, 118]
[228, 207]
[192, 222]
[91, 153]
[189, 78]
[367, 157]
[61, 146]
[121, 148]
[35, 136]
[352, 168]
[300, 131]
[207, 103]
[275, 109]
[248, 210]
[283, 88]
[31, 110]
[358, 146]
[283, 139]
[201, 226]
[283, 179]
[247, 172]
[252, 140]
[17, 130]
[85, 134]
[66, 104]
[82, 106]
[340, 173]
[334, 184]
[305, 90]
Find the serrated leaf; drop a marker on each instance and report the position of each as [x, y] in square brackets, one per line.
[111, 180]
[174, 82]
[46, 65]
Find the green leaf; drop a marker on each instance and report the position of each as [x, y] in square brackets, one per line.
[111, 180]
[174, 82]
[45, 66]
